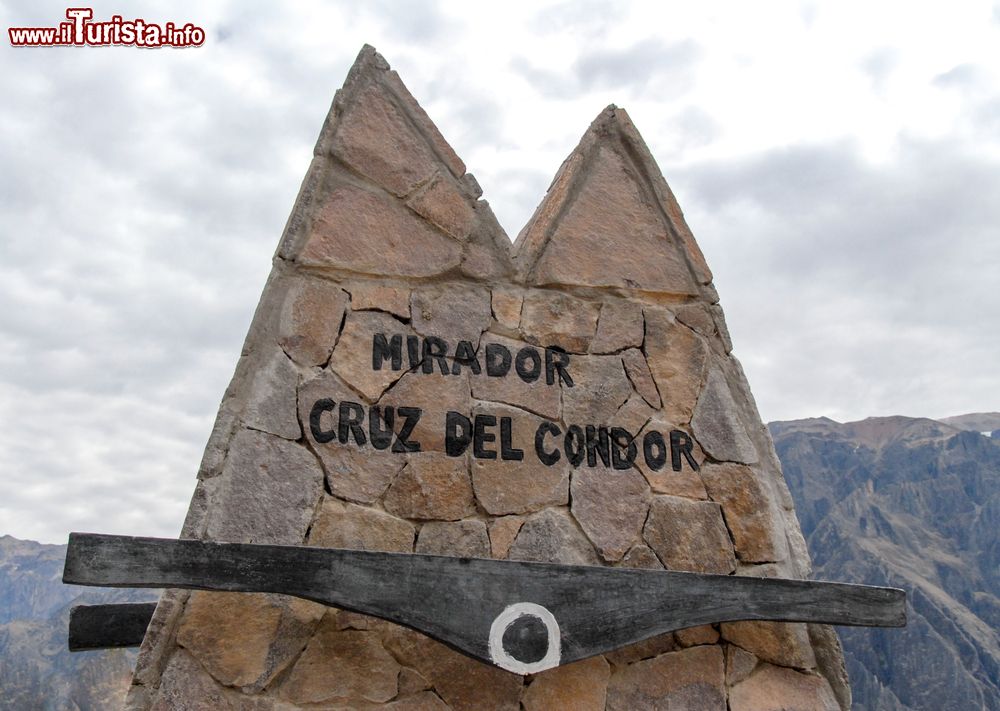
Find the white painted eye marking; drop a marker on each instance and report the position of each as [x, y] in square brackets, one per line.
[499, 655]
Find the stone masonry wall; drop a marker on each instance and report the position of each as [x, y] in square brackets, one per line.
[389, 238]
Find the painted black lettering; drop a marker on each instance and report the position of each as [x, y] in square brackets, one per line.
[681, 443]
[654, 450]
[622, 443]
[381, 436]
[457, 433]
[383, 350]
[556, 362]
[545, 457]
[435, 349]
[480, 437]
[411, 416]
[413, 351]
[573, 445]
[351, 416]
[529, 372]
[315, 420]
[497, 360]
[508, 452]
[465, 355]
[598, 444]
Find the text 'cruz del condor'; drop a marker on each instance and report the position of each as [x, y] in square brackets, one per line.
[425, 353]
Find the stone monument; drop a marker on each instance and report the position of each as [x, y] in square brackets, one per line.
[413, 383]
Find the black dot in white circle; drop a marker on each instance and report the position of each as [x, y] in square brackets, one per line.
[526, 639]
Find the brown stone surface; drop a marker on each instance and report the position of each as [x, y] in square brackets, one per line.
[537, 396]
[551, 318]
[646, 649]
[310, 320]
[600, 388]
[753, 518]
[462, 682]
[373, 296]
[689, 535]
[692, 636]
[270, 399]
[441, 202]
[464, 539]
[513, 487]
[739, 664]
[619, 326]
[611, 507]
[411, 682]
[641, 556]
[185, 686]
[353, 472]
[368, 233]
[507, 307]
[551, 536]
[365, 671]
[340, 525]
[581, 686]
[716, 423]
[677, 358]
[266, 493]
[352, 358]
[698, 317]
[435, 395]
[689, 679]
[783, 643]
[230, 634]
[431, 486]
[775, 689]
[453, 312]
[611, 234]
[375, 138]
[642, 380]
[503, 530]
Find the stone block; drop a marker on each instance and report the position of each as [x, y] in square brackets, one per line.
[785, 644]
[600, 389]
[611, 507]
[688, 679]
[431, 486]
[504, 486]
[753, 518]
[507, 307]
[435, 395]
[678, 360]
[452, 312]
[641, 556]
[551, 536]
[310, 320]
[551, 318]
[367, 233]
[266, 493]
[365, 671]
[686, 482]
[775, 689]
[503, 531]
[352, 358]
[689, 535]
[441, 202]
[619, 326]
[340, 525]
[642, 380]
[374, 296]
[270, 398]
[537, 395]
[717, 425]
[692, 636]
[354, 471]
[739, 664]
[581, 686]
[462, 539]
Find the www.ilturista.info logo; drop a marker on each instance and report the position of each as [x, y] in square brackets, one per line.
[81, 31]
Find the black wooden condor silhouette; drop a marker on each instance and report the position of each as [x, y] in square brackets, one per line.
[522, 617]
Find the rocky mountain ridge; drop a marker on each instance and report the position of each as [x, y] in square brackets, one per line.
[913, 503]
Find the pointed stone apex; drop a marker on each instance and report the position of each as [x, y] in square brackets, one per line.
[610, 220]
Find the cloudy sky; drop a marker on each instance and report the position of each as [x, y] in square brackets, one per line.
[839, 163]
